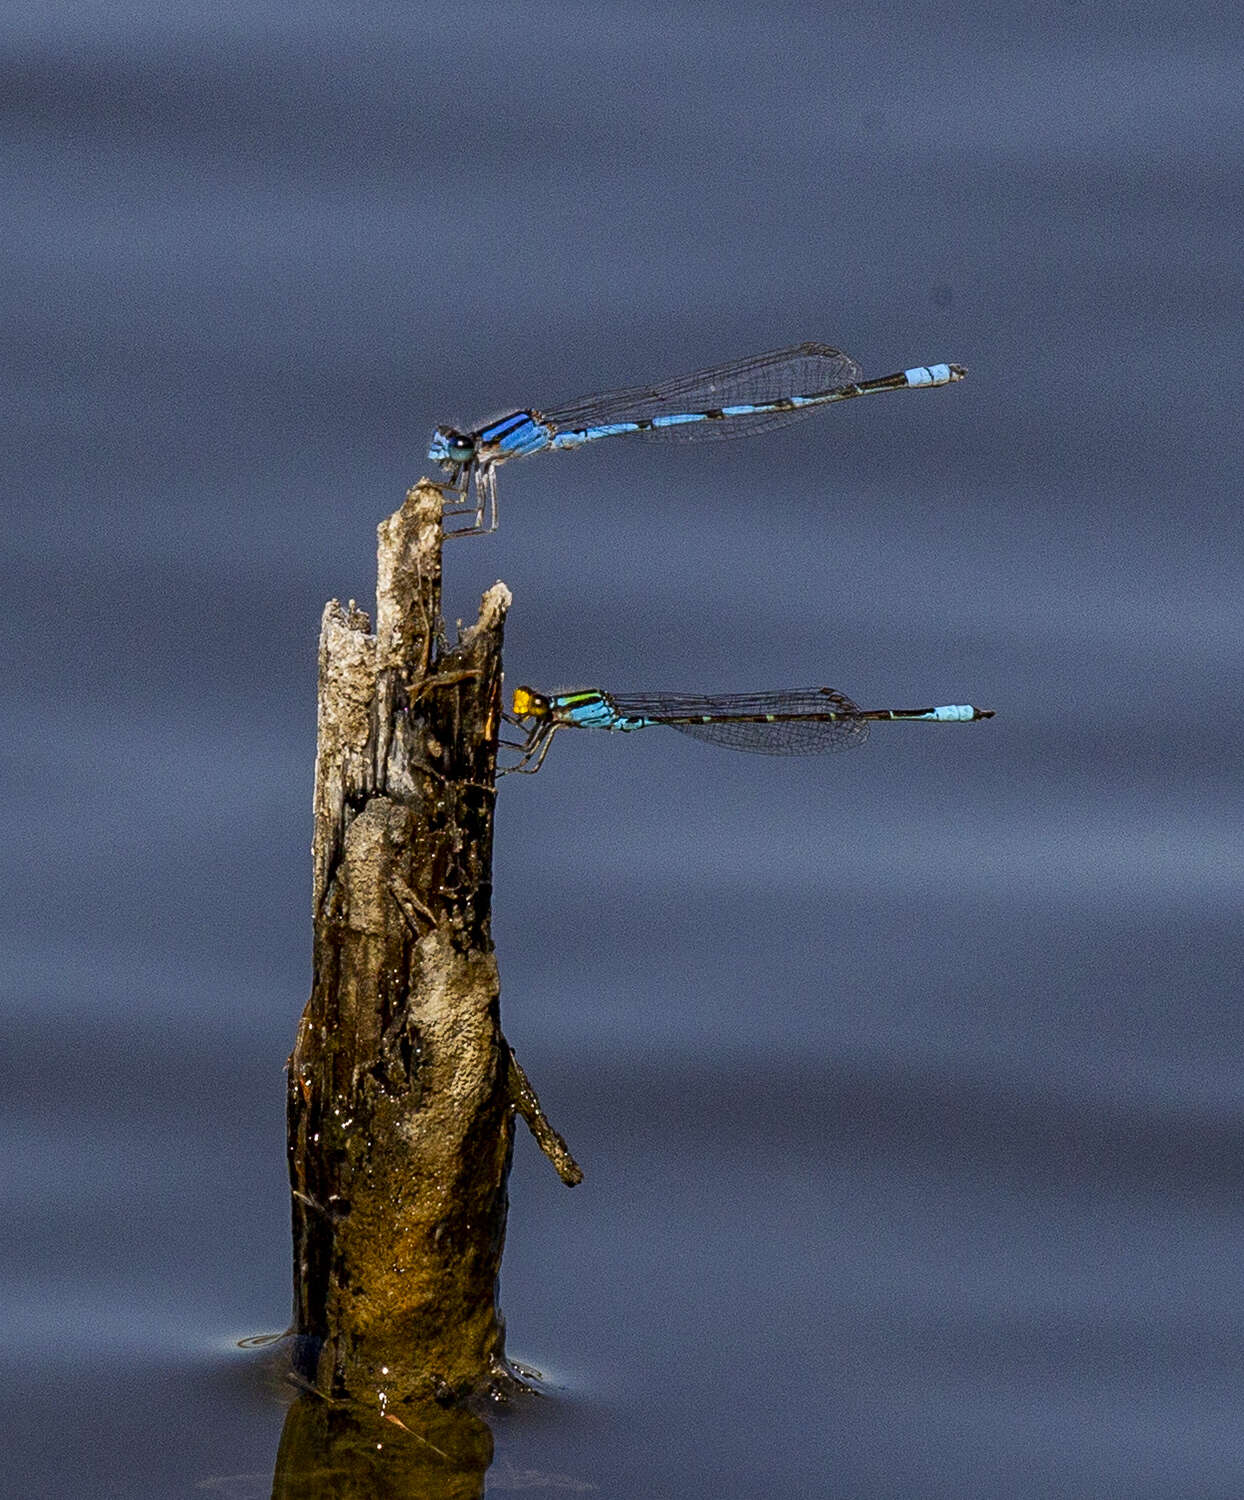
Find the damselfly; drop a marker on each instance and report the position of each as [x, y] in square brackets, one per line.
[732, 400]
[798, 721]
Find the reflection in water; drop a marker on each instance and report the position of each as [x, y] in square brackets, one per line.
[337, 1452]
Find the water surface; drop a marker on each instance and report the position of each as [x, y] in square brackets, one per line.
[906, 1082]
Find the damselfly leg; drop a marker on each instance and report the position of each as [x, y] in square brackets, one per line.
[534, 747]
[477, 479]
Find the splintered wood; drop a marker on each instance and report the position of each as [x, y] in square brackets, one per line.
[402, 1089]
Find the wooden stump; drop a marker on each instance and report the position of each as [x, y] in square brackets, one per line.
[402, 1090]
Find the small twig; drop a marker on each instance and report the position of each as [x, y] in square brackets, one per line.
[411, 905]
[441, 679]
[295, 1060]
[427, 770]
[429, 634]
[329, 1209]
[418, 1437]
[525, 1101]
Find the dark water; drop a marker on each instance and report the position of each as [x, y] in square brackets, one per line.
[907, 1083]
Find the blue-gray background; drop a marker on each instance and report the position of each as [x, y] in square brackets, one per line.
[907, 1083]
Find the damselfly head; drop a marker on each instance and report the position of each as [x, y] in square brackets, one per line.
[529, 704]
[450, 449]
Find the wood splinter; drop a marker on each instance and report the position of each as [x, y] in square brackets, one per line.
[527, 1103]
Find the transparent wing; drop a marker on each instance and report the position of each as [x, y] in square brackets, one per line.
[799, 721]
[806, 370]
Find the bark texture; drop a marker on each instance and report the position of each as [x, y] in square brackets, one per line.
[402, 1090]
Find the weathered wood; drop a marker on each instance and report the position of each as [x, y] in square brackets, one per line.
[402, 1090]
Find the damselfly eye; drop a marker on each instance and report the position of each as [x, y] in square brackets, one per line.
[528, 704]
[461, 450]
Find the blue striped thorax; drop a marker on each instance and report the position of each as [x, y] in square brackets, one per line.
[593, 710]
[520, 433]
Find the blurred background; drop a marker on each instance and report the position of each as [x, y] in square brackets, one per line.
[907, 1082]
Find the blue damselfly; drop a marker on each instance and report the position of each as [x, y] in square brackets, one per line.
[731, 400]
[798, 721]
